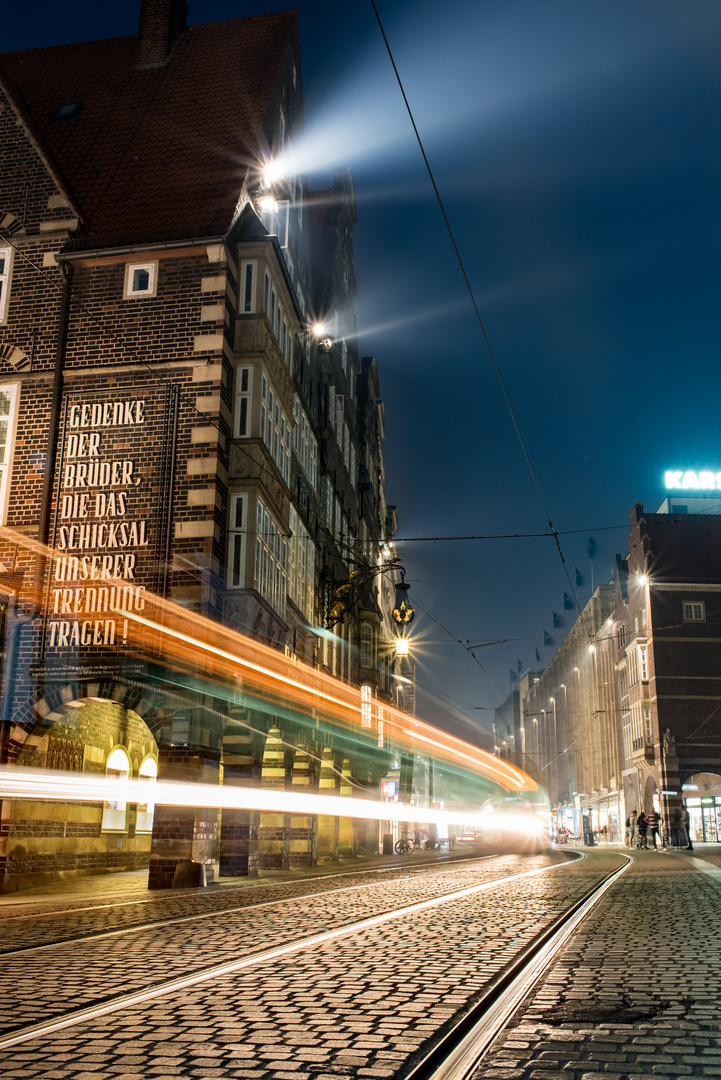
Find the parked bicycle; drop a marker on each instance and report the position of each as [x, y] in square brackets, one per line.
[405, 845]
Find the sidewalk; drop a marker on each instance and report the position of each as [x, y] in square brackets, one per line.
[635, 993]
[133, 885]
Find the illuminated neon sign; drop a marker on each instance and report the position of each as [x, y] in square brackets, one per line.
[690, 480]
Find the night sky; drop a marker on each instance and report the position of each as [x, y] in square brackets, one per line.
[577, 149]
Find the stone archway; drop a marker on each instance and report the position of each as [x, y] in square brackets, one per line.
[52, 841]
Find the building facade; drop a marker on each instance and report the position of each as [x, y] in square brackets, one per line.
[668, 663]
[171, 425]
[569, 720]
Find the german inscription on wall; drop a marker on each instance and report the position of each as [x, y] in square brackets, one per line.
[103, 523]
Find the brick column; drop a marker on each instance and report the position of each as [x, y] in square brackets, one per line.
[181, 833]
[302, 825]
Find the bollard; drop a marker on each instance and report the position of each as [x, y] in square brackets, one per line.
[387, 843]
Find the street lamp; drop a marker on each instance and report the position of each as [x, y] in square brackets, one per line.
[403, 612]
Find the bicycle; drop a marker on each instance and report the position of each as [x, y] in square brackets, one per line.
[404, 846]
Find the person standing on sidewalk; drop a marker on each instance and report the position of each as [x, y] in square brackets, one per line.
[686, 826]
[642, 829]
[676, 827]
[654, 824]
[631, 828]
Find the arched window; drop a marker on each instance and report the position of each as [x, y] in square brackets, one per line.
[115, 813]
[367, 643]
[149, 773]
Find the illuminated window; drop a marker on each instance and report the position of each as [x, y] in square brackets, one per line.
[243, 387]
[8, 397]
[694, 611]
[366, 699]
[148, 772]
[115, 813]
[237, 530]
[643, 662]
[5, 267]
[140, 280]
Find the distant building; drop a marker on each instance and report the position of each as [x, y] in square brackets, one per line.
[569, 716]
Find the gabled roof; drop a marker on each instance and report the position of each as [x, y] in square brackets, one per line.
[155, 153]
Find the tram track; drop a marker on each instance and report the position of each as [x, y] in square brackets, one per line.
[459, 1053]
[214, 974]
[216, 913]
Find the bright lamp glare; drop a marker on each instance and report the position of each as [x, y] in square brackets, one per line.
[318, 329]
[402, 646]
[272, 173]
[267, 204]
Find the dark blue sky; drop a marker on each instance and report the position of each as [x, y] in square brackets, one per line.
[577, 148]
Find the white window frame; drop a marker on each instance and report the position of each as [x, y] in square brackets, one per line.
[271, 558]
[6, 254]
[11, 391]
[237, 539]
[148, 771]
[129, 293]
[243, 396]
[643, 662]
[248, 287]
[115, 814]
[694, 611]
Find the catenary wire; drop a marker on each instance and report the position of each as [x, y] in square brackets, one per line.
[481, 324]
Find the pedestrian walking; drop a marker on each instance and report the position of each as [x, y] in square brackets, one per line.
[686, 826]
[654, 826]
[631, 828]
[642, 825]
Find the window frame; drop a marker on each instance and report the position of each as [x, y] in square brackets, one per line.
[145, 294]
[8, 451]
[237, 540]
[691, 604]
[248, 287]
[119, 808]
[242, 430]
[5, 283]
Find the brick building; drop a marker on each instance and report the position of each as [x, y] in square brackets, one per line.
[171, 425]
[668, 660]
[626, 715]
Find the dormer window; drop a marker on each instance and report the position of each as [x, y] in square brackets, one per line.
[140, 280]
[69, 110]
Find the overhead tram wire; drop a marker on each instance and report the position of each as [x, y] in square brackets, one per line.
[481, 324]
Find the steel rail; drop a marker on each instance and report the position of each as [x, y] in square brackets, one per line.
[461, 1050]
[23, 950]
[168, 894]
[266, 956]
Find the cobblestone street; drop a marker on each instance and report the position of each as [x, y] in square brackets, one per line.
[634, 993]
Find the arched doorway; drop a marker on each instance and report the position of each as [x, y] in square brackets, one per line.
[702, 795]
[53, 841]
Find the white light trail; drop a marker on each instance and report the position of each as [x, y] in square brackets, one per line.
[80, 787]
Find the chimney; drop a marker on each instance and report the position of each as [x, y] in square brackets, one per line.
[162, 22]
